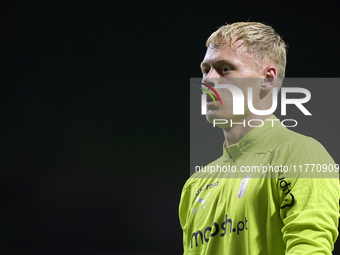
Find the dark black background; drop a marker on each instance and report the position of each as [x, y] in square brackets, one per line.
[95, 114]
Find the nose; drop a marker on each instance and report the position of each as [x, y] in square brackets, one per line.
[211, 77]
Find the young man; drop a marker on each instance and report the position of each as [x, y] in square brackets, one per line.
[238, 212]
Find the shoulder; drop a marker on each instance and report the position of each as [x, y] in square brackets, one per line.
[303, 156]
[200, 177]
[286, 142]
[303, 146]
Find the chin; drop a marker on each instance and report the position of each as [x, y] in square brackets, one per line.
[211, 115]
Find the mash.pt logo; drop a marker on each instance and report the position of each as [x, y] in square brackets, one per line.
[238, 99]
[210, 232]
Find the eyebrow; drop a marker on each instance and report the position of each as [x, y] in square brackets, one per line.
[217, 62]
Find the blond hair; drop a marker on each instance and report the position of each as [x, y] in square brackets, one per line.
[260, 41]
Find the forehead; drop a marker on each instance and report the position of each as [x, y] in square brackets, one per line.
[235, 53]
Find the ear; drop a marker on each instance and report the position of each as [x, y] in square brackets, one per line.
[270, 75]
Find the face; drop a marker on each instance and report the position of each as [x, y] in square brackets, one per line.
[226, 65]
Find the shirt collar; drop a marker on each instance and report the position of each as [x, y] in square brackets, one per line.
[251, 138]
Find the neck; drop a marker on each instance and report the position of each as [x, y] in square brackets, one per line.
[235, 133]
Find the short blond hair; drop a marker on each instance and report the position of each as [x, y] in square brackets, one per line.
[260, 41]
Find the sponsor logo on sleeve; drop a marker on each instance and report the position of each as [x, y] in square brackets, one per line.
[285, 187]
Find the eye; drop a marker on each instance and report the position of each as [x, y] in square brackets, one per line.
[224, 70]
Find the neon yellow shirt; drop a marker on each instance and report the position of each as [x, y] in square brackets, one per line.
[277, 212]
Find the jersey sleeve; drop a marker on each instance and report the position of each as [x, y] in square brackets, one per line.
[309, 205]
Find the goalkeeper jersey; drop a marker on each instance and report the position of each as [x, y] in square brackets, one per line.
[274, 192]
